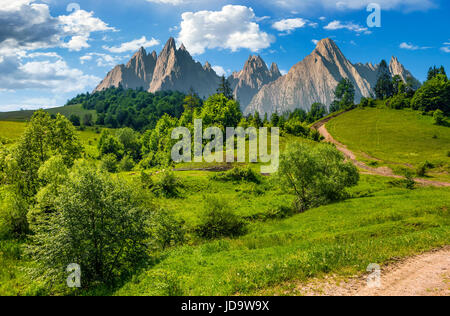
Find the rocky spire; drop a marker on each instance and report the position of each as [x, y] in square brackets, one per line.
[275, 71]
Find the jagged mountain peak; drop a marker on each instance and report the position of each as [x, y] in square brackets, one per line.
[275, 71]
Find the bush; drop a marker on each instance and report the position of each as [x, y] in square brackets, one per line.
[421, 170]
[101, 224]
[13, 215]
[168, 185]
[398, 102]
[219, 221]
[409, 181]
[126, 164]
[438, 117]
[315, 175]
[109, 163]
[166, 231]
[238, 174]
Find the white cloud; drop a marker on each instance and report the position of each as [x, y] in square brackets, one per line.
[338, 25]
[220, 71]
[322, 18]
[133, 45]
[233, 27]
[315, 42]
[53, 75]
[80, 24]
[410, 46]
[102, 60]
[344, 5]
[446, 49]
[289, 24]
[27, 25]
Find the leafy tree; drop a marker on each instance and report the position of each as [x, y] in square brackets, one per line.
[316, 175]
[398, 85]
[75, 119]
[44, 137]
[225, 88]
[384, 87]
[130, 141]
[220, 111]
[434, 72]
[110, 144]
[101, 224]
[344, 95]
[192, 101]
[126, 164]
[433, 95]
[399, 101]
[88, 120]
[275, 119]
[438, 117]
[318, 111]
[13, 214]
[109, 163]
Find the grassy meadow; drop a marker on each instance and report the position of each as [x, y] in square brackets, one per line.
[67, 111]
[400, 139]
[380, 220]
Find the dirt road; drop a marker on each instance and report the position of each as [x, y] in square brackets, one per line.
[423, 275]
[382, 171]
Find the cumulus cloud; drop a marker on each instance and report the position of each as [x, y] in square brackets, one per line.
[172, 2]
[338, 25]
[102, 60]
[220, 71]
[314, 41]
[446, 49]
[289, 25]
[27, 25]
[133, 45]
[233, 27]
[410, 46]
[56, 76]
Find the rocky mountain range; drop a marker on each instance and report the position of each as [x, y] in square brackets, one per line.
[257, 87]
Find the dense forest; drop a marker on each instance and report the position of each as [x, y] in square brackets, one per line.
[138, 109]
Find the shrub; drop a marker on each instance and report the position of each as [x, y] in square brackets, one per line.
[238, 174]
[168, 185]
[315, 174]
[409, 181]
[166, 231]
[146, 180]
[438, 117]
[421, 170]
[101, 224]
[126, 164]
[109, 163]
[219, 221]
[398, 102]
[13, 215]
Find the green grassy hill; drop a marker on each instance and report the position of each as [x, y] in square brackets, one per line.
[400, 139]
[67, 111]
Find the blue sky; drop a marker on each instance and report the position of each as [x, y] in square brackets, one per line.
[52, 50]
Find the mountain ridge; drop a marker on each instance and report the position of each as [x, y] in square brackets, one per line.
[257, 87]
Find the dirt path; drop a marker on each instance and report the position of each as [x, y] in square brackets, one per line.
[382, 171]
[423, 275]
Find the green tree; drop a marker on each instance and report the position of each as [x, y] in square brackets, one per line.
[438, 117]
[101, 224]
[88, 120]
[110, 144]
[75, 120]
[433, 95]
[220, 111]
[344, 95]
[318, 111]
[434, 72]
[225, 88]
[384, 88]
[43, 138]
[315, 174]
